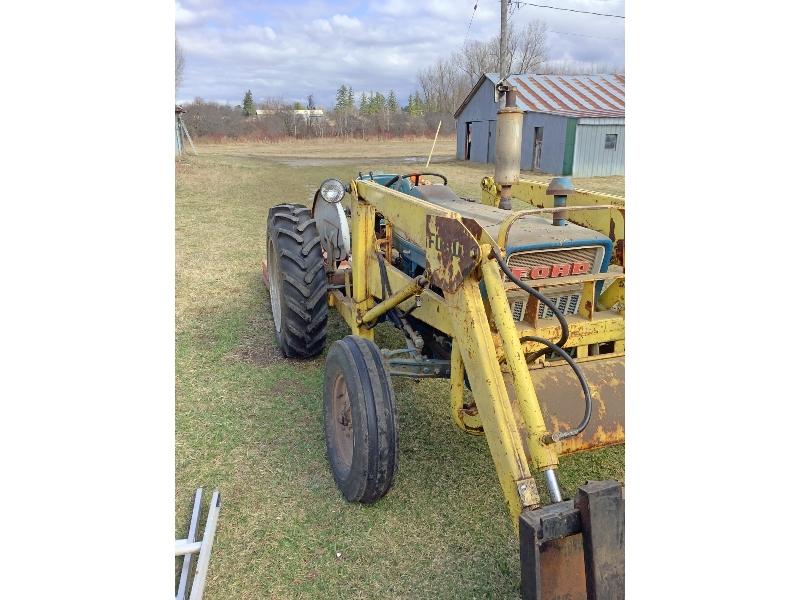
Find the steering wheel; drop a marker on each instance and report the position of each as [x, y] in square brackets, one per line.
[415, 178]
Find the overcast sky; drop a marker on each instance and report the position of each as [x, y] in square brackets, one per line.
[289, 49]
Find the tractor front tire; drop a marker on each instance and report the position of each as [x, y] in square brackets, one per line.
[360, 420]
[298, 285]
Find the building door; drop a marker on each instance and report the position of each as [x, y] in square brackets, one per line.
[538, 135]
[468, 141]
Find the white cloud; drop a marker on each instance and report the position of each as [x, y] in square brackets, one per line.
[200, 13]
[291, 49]
[321, 26]
[345, 22]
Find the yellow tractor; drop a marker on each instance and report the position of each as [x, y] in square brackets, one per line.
[525, 309]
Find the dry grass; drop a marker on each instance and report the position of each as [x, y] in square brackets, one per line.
[249, 421]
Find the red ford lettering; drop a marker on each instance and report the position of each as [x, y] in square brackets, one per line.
[539, 272]
[560, 270]
[579, 268]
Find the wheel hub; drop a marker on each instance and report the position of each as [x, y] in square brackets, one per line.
[274, 286]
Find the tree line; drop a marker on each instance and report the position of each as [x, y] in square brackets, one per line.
[372, 114]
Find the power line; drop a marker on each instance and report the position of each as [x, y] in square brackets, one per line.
[474, 10]
[597, 37]
[583, 12]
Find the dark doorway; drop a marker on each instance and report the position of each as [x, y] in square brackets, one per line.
[468, 141]
[538, 135]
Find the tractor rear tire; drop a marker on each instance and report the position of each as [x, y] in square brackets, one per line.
[360, 420]
[298, 285]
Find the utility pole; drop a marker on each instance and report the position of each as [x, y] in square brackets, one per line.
[503, 39]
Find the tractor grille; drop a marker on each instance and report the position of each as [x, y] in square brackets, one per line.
[538, 258]
[567, 304]
[569, 298]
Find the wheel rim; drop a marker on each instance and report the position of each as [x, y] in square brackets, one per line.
[274, 286]
[342, 422]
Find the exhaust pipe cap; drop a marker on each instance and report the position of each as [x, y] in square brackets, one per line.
[560, 186]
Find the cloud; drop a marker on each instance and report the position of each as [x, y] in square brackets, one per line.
[345, 22]
[321, 26]
[196, 14]
[290, 49]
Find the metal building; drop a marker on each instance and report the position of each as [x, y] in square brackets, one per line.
[573, 124]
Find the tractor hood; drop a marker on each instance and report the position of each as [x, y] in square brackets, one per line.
[531, 232]
[528, 233]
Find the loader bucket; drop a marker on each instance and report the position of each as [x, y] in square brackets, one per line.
[561, 400]
[575, 549]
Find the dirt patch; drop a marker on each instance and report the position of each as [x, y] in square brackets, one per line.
[256, 345]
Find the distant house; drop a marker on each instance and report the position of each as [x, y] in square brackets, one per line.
[307, 114]
[573, 124]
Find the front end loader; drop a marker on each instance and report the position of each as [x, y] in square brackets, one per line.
[523, 313]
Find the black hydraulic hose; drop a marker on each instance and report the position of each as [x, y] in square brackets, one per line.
[555, 347]
[540, 297]
[587, 395]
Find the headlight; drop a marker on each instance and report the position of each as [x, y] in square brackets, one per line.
[332, 190]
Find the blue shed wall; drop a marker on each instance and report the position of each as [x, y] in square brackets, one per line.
[554, 129]
[480, 110]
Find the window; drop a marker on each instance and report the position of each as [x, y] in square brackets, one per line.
[611, 141]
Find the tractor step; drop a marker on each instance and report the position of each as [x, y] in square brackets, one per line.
[576, 548]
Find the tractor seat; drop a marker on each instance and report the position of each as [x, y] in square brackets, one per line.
[435, 193]
[441, 195]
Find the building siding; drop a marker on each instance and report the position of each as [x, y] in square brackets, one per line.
[481, 109]
[591, 157]
[553, 132]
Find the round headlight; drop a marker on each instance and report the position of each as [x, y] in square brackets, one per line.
[332, 190]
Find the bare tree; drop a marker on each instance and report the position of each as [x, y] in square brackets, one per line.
[446, 83]
[180, 62]
[528, 49]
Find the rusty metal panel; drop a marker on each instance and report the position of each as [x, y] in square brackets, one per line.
[571, 95]
[563, 574]
[451, 251]
[551, 553]
[561, 400]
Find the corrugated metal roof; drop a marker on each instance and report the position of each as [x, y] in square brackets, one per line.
[568, 95]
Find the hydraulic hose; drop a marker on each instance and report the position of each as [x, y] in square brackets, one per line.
[553, 346]
[540, 297]
[587, 395]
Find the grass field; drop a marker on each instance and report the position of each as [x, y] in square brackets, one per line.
[250, 422]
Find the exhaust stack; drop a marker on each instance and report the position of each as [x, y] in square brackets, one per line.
[508, 145]
[560, 188]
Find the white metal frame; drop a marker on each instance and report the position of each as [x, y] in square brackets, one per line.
[188, 547]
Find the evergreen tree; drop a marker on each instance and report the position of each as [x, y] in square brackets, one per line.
[310, 102]
[415, 106]
[342, 99]
[247, 104]
[350, 100]
[363, 106]
[378, 103]
[391, 103]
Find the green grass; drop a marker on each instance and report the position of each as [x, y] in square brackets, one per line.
[250, 422]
